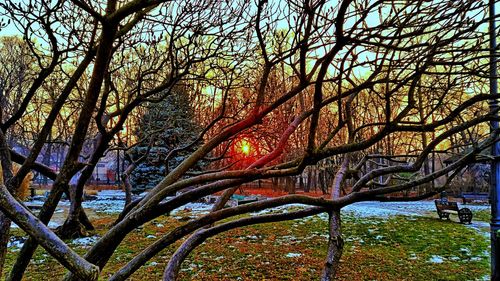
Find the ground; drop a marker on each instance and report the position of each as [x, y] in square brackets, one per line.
[384, 241]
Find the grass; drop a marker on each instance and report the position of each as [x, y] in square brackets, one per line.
[398, 248]
[482, 215]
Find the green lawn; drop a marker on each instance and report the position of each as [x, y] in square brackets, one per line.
[397, 248]
[482, 215]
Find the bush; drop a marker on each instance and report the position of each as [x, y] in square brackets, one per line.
[24, 190]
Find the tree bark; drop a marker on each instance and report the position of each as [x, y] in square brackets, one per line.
[4, 239]
[307, 187]
[126, 183]
[73, 226]
[335, 247]
[6, 177]
[335, 241]
[69, 168]
[47, 239]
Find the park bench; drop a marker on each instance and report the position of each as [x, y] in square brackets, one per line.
[445, 209]
[474, 196]
[243, 199]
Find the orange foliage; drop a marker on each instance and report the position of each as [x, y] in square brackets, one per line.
[24, 189]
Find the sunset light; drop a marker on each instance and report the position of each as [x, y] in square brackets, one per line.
[245, 147]
[224, 127]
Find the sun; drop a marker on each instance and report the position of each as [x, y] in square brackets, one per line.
[245, 147]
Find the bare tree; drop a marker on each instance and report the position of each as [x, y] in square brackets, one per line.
[346, 80]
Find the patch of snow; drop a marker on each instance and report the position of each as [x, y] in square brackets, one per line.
[436, 259]
[466, 251]
[287, 239]
[85, 241]
[195, 208]
[281, 209]
[190, 268]
[482, 227]
[15, 244]
[388, 209]
[323, 216]
[484, 278]
[107, 206]
[293, 255]
[53, 224]
[111, 194]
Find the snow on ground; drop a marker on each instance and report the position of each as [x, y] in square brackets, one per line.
[112, 202]
[436, 259]
[85, 241]
[387, 209]
[415, 208]
[197, 208]
[15, 243]
[280, 209]
[52, 224]
[293, 255]
[379, 209]
[109, 202]
[107, 206]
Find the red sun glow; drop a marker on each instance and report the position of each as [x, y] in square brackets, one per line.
[245, 147]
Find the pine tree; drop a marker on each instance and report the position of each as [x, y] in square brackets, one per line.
[165, 126]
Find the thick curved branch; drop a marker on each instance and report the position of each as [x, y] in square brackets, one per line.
[43, 235]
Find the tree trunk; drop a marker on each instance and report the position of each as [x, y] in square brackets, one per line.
[46, 155]
[335, 247]
[68, 170]
[128, 190]
[307, 187]
[4, 239]
[5, 177]
[42, 234]
[274, 184]
[72, 227]
[30, 245]
[315, 179]
[292, 185]
[77, 223]
[126, 183]
[335, 241]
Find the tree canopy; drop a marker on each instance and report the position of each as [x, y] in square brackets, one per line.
[375, 89]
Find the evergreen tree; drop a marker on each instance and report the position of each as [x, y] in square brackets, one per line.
[165, 126]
